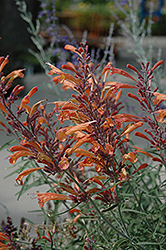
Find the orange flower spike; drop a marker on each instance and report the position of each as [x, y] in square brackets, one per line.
[5, 61]
[44, 197]
[24, 173]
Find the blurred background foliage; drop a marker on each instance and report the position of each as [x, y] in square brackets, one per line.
[94, 16]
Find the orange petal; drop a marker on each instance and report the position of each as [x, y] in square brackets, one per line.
[24, 173]
[143, 136]
[61, 134]
[68, 189]
[14, 74]
[44, 197]
[42, 120]
[63, 164]
[129, 128]
[18, 148]
[14, 157]
[73, 49]
[33, 144]
[157, 65]
[79, 127]
[35, 106]
[43, 157]
[54, 70]
[144, 165]
[81, 141]
[80, 151]
[3, 108]
[4, 247]
[5, 61]
[75, 210]
[25, 100]
[131, 156]
[121, 72]
[70, 67]
[3, 237]
[158, 96]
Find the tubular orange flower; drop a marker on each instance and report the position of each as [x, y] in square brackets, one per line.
[131, 156]
[70, 67]
[24, 173]
[161, 115]
[158, 97]
[73, 49]
[144, 165]
[14, 157]
[126, 118]
[63, 164]
[4, 61]
[121, 72]
[80, 127]
[157, 64]
[129, 128]
[4, 247]
[3, 108]
[14, 74]
[25, 100]
[3, 237]
[144, 137]
[35, 106]
[81, 141]
[44, 197]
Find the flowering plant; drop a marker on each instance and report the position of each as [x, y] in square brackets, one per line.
[82, 148]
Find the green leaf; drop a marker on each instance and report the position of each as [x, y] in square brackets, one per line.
[7, 144]
[118, 243]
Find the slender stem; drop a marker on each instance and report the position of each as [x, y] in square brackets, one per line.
[101, 215]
